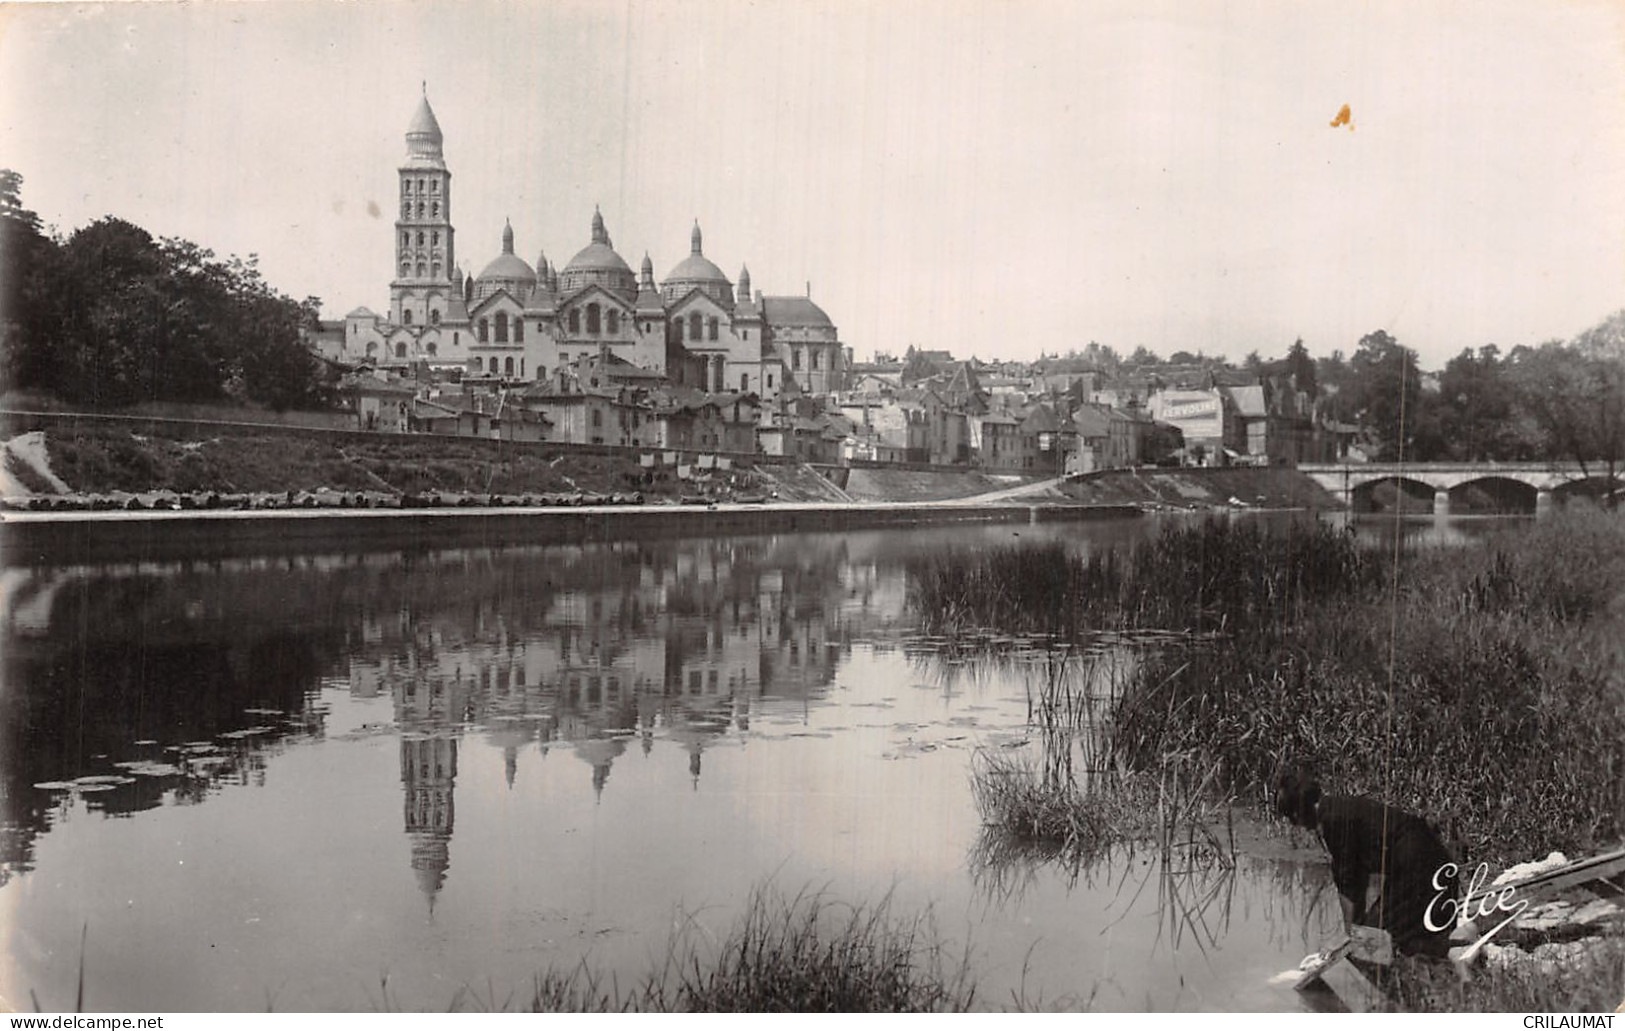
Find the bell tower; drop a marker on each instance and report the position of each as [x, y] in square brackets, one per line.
[425, 257]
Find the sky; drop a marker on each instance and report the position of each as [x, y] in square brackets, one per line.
[998, 178]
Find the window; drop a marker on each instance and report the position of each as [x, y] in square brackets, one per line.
[575, 320]
[406, 270]
[484, 331]
[521, 368]
[679, 328]
[434, 185]
[434, 317]
[422, 270]
[507, 367]
[420, 185]
[614, 319]
[795, 358]
[431, 348]
[406, 209]
[597, 418]
[712, 329]
[694, 326]
[435, 236]
[592, 318]
[434, 209]
[420, 209]
[502, 327]
[420, 238]
[770, 381]
[456, 340]
[400, 350]
[744, 382]
[518, 331]
[435, 269]
[815, 357]
[406, 239]
[372, 347]
[406, 316]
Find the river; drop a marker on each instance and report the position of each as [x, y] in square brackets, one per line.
[358, 780]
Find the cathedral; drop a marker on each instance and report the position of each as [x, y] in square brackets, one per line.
[516, 324]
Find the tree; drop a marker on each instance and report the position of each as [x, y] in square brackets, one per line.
[1384, 393]
[1301, 367]
[1575, 394]
[112, 317]
[1144, 356]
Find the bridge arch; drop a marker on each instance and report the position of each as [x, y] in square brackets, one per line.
[1391, 493]
[1494, 495]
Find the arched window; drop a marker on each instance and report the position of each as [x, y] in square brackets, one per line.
[795, 358]
[406, 239]
[502, 327]
[694, 326]
[679, 324]
[816, 354]
[400, 350]
[434, 185]
[434, 316]
[614, 319]
[420, 209]
[597, 418]
[406, 269]
[431, 348]
[484, 331]
[434, 209]
[406, 316]
[592, 318]
[372, 347]
[521, 368]
[575, 320]
[518, 331]
[435, 269]
[423, 270]
[406, 209]
[507, 367]
[456, 340]
[420, 185]
[711, 330]
[744, 382]
[420, 238]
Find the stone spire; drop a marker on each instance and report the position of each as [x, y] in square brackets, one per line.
[507, 237]
[647, 280]
[599, 233]
[744, 283]
[694, 238]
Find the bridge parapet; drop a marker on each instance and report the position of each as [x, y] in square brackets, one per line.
[1343, 479]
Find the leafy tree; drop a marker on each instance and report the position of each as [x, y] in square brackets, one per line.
[1301, 367]
[1384, 393]
[110, 317]
[1575, 394]
[1144, 356]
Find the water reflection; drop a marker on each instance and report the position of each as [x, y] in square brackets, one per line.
[551, 750]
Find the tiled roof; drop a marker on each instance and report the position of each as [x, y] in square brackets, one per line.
[794, 311]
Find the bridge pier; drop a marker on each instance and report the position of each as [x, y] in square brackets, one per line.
[1543, 503]
[1441, 502]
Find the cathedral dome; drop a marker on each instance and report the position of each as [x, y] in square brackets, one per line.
[597, 263]
[507, 272]
[697, 270]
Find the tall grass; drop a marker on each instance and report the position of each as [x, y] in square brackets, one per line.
[805, 954]
[1483, 686]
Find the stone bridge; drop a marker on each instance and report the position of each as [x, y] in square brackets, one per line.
[1529, 486]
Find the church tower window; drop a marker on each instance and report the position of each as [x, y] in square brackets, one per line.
[484, 331]
[592, 318]
[694, 326]
[575, 320]
[400, 350]
[712, 329]
[434, 209]
[614, 321]
[434, 317]
[507, 367]
[502, 327]
[406, 316]
[518, 331]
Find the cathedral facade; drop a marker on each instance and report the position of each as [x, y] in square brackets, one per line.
[516, 324]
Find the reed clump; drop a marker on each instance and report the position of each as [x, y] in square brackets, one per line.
[1482, 685]
[805, 954]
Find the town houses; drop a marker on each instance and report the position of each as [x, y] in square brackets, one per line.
[592, 353]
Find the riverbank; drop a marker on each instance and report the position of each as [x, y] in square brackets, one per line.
[120, 536]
